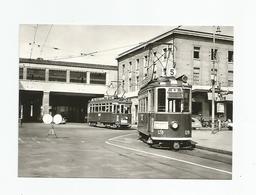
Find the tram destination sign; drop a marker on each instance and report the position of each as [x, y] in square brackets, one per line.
[174, 92]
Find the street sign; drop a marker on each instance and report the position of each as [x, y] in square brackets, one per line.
[57, 119]
[47, 119]
[172, 72]
[220, 107]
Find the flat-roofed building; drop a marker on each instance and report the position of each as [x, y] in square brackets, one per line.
[190, 53]
[59, 87]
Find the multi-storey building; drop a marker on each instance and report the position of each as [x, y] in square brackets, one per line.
[60, 87]
[190, 53]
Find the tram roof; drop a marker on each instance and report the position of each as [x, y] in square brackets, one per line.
[110, 99]
[165, 82]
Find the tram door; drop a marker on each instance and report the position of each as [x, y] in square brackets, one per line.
[150, 110]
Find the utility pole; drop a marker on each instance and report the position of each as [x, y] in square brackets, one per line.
[213, 76]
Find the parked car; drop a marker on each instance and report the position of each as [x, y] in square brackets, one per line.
[196, 124]
[64, 120]
[230, 124]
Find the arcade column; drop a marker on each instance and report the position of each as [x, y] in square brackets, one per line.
[45, 103]
[68, 76]
[88, 77]
[25, 73]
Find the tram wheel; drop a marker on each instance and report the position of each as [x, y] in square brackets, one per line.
[176, 145]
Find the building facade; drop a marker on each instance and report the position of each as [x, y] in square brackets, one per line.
[190, 53]
[58, 87]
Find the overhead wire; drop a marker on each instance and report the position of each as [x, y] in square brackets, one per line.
[41, 51]
[33, 43]
[83, 54]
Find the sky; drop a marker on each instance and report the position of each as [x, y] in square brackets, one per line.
[102, 42]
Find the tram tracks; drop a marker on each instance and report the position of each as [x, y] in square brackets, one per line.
[112, 142]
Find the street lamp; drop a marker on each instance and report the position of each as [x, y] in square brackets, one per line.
[213, 75]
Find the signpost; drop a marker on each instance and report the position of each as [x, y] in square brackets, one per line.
[48, 119]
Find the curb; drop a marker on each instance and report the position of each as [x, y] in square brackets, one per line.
[213, 150]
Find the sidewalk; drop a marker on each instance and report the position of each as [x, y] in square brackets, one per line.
[220, 142]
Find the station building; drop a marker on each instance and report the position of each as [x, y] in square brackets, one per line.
[58, 87]
[190, 53]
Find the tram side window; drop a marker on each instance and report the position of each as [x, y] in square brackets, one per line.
[118, 109]
[110, 107]
[146, 104]
[161, 100]
[107, 107]
[142, 105]
[96, 108]
[103, 107]
[186, 106]
[122, 109]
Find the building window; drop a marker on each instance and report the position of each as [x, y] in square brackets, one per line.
[21, 73]
[137, 83]
[130, 84]
[145, 66]
[165, 53]
[196, 75]
[196, 52]
[145, 61]
[77, 77]
[123, 69]
[214, 54]
[98, 78]
[230, 78]
[137, 64]
[57, 75]
[230, 56]
[36, 74]
[130, 64]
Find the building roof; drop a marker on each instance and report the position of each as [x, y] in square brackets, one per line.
[70, 64]
[180, 32]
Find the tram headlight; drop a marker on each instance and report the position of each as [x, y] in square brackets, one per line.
[174, 125]
[187, 132]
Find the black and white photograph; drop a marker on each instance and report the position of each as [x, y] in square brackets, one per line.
[127, 97]
[106, 102]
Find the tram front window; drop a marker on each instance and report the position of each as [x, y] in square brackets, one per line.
[174, 105]
[127, 109]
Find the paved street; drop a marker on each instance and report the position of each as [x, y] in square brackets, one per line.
[92, 152]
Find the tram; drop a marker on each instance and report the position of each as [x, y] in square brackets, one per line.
[111, 112]
[164, 116]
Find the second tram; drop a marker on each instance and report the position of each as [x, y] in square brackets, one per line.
[164, 116]
[110, 111]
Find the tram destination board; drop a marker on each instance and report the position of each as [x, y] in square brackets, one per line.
[175, 93]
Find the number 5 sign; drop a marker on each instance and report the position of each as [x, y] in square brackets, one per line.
[172, 72]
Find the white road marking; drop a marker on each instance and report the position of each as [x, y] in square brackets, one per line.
[162, 156]
[120, 136]
[21, 141]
